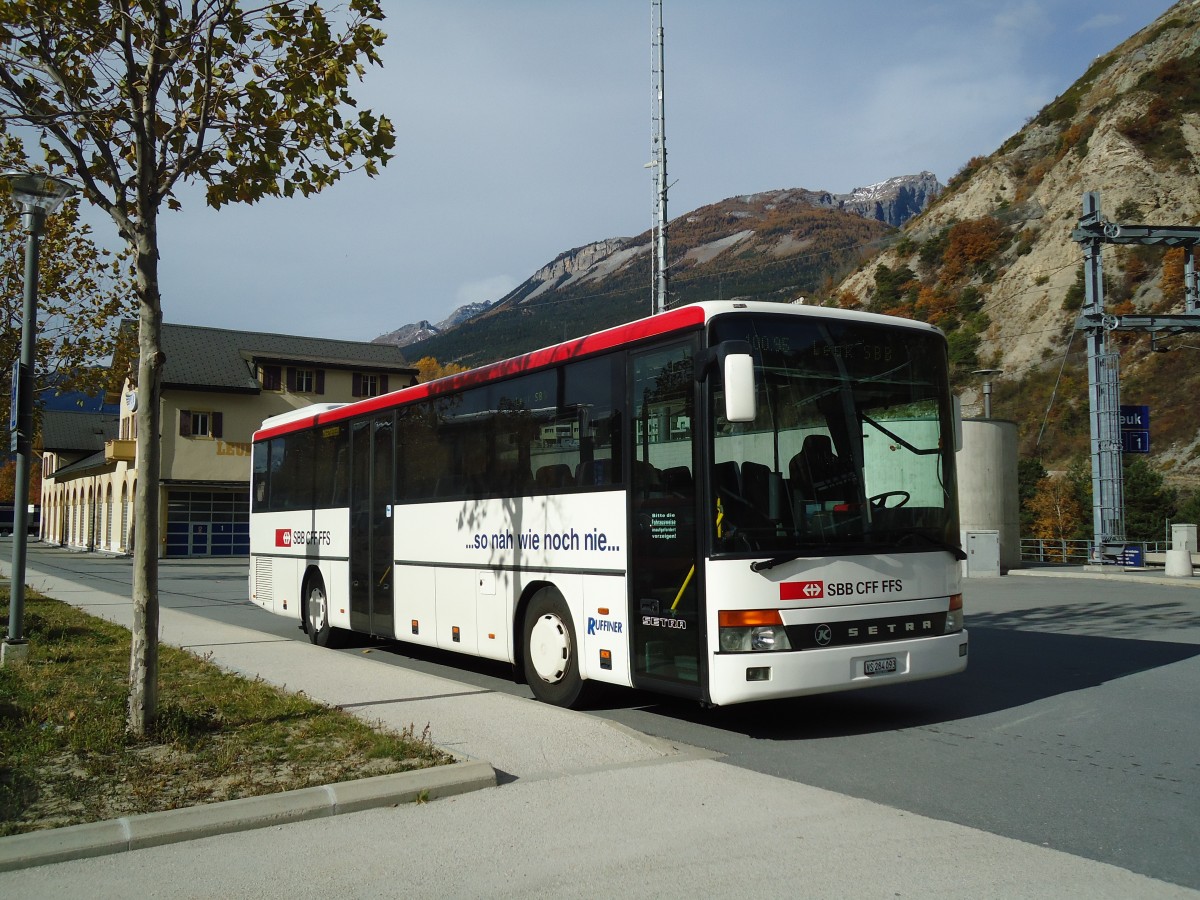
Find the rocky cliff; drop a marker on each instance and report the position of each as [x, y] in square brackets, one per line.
[894, 201]
[992, 260]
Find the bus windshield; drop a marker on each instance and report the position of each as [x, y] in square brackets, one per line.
[852, 447]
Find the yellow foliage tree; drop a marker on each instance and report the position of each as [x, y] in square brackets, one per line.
[429, 369]
[934, 305]
[1172, 276]
[970, 245]
[1057, 513]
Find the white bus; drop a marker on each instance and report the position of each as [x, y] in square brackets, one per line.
[725, 502]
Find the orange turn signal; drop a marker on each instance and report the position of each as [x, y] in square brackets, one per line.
[742, 618]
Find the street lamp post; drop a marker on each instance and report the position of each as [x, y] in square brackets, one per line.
[988, 375]
[39, 195]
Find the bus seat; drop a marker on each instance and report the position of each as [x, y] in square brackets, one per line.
[555, 475]
[820, 474]
[507, 478]
[727, 478]
[754, 480]
[646, 476]
[677, 479]
[447, 486]
[764, 490]
[595, 471]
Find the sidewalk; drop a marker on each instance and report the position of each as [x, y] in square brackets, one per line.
[1106, 573]
[583, 805]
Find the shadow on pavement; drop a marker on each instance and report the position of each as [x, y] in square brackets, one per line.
[1117, 619]
[1008, 669]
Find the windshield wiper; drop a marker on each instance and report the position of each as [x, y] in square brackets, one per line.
[899, 440]
[763, 565]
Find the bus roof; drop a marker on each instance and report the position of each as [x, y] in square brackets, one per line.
[304, 413]
[679, 319]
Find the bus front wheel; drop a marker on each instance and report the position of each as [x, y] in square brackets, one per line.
[550, 652]
[316, 614]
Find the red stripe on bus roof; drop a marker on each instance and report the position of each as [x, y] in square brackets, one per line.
[655, 326]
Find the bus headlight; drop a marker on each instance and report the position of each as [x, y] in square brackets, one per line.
[733, 640]
[954, 618]
[747, 630]
[769, 638]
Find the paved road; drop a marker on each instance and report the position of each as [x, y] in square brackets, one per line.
[1075, 728]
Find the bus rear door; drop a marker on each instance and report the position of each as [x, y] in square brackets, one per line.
[371, 526]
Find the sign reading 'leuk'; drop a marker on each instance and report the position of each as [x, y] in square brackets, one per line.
[1135, 429]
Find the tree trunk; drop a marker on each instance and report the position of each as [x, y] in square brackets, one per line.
[143, 663]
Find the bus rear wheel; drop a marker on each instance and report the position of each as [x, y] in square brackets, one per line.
[550, 653]
[316, 614]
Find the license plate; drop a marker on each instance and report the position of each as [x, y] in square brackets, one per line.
[879, 666]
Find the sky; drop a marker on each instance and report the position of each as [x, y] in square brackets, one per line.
[524, 127]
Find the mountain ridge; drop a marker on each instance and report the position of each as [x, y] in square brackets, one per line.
[891, 202]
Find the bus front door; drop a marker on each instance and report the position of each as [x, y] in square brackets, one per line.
[664, 606]
[371, 526]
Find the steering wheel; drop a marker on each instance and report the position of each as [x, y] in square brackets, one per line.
[879, 501]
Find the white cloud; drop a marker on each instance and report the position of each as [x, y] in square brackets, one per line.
[1103, 20]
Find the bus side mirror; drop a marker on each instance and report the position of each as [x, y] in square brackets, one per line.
[956, 412]
[737, 374]
[740, 398]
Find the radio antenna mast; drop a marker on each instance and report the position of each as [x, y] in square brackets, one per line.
[659, 161]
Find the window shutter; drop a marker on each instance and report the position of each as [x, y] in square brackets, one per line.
[383, 383]
[217, 429]
[291, 379]
[320, 381]
[185, 423]
[271, 378]
[357, 387]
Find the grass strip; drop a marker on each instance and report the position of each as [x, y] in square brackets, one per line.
[66, 756]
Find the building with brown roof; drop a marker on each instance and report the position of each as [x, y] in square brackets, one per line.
[217, 387]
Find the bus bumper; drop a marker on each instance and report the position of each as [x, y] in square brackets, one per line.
[741, 677]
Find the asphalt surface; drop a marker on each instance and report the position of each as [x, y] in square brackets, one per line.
[583, 805]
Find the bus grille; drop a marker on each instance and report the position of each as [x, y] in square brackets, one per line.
[264, 588]
[819, 636]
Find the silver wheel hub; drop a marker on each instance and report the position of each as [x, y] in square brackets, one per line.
[550, 648]
[316, 609]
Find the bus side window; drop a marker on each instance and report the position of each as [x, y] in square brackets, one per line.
[587, 408]
[421, 459]
[278, 491]
[332, 456]
[260, 495]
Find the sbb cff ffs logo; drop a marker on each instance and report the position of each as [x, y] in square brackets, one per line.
[802, 590]
[820, 590]
[291, 537]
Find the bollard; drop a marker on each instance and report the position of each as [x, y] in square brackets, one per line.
[1179, 563]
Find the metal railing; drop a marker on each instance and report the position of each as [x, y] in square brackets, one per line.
[1044, 550]
[1078, 553]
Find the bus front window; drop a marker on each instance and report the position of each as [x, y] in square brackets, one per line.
[852, 445]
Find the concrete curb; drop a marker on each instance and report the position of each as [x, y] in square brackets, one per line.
[1130, 577]
[38, 848]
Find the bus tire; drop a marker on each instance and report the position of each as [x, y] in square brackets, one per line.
[550, 652]
[316, 613]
